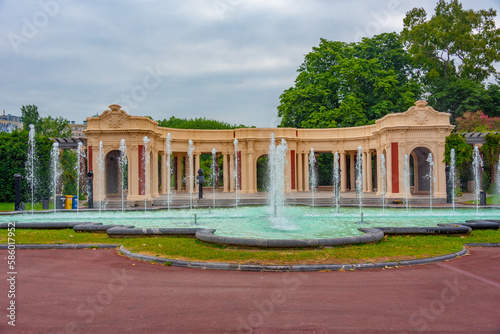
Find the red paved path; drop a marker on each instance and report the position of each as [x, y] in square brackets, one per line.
[97, 291]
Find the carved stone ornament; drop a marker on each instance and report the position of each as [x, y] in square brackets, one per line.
[114, 116]
[420, 112]
[114, 120]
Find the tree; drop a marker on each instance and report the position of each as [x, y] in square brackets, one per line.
[48, 126]
[350, 84]
[463, 156]
[13, 150]
[456, 51]
[197, 123]
[463, 151]
[490, 151]
[30, 115]
[454, 42]
[54, 127]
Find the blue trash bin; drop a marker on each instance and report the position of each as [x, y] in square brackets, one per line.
[74, 206]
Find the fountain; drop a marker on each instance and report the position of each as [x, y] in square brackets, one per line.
[168, 146]
[453, 178]
[56, 171]
[80, 156]
[383, 174]
[277, 162]
[430, 176]
[477, 165]
[336, 180]
[235, 174]
[122, 163]
[406, 176]
[30, 165]
[312, 175]
[191, 172]
[102, 169]
[359, 180]
[145, 159]
[214, 173]
[270, 221]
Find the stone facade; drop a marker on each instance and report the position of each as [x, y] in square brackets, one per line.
[417, 132]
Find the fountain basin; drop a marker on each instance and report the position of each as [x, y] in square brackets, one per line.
[298, 222]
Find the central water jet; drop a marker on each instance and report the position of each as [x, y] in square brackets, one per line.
[276, 186]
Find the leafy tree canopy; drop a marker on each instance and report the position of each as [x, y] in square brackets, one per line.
[197, 123]
[463, 151]
[30, 115]
[350, 84]
[455, 51]
[454, 42]
[54, 127]
[47, 126]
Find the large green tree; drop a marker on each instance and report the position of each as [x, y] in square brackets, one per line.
[456, 50]
[47, 126]
[54, 127]
[30, 115]
[13, 150]
[350, 84]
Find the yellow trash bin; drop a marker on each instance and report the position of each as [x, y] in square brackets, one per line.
[69, 202]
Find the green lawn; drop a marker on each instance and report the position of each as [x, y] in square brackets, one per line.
[37, 206]
[184, 248]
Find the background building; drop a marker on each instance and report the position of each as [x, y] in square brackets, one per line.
[9, 123]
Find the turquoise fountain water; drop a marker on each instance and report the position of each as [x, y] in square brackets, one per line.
[257, 222]
[276, 221]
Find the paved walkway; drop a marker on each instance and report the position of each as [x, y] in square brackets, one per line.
[98, 291]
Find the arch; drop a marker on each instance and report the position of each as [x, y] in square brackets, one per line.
[112, 173]
[262, 172]
[419, 170]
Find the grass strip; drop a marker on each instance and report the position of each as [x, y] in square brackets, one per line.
[391, 248]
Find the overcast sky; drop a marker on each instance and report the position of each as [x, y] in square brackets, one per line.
[228, 60]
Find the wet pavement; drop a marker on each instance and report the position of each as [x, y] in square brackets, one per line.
[98, 291]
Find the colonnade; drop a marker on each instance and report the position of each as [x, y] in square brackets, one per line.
[420, 129]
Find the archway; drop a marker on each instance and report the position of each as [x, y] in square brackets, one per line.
[112, 173]
[419, 170]
[262, 172]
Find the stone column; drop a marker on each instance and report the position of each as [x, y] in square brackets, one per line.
[440, 171]
[369, 185]
[343, 171]
[133, 173]
[388, 164]
[300, 176]
[305, 164]
[154, 174]
[195, 171]
[231, 173]
[379, 176]
[365, 171]
[168, 171]
[163, 169]
[243, 181]
[353, 171]
[225, 171]
[251, 168]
